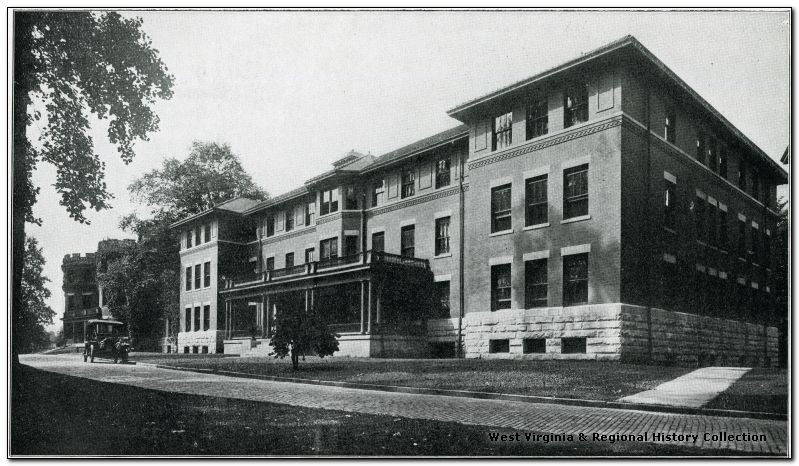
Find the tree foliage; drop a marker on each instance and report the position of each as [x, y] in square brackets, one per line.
[301, 333]
[35, 313]
[211, 174]
[141, 279]
[70, 68]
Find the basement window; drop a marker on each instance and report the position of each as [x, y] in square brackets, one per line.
[572, 345]
[499, 346]
[534, 345]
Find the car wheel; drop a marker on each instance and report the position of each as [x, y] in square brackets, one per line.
[91, 354]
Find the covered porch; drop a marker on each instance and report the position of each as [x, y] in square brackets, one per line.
[377, 304]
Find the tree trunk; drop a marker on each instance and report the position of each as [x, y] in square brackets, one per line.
[22, 197]
[295, 359]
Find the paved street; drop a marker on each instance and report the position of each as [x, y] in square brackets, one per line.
[536, 417]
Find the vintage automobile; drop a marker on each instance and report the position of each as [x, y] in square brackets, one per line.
[106, 339]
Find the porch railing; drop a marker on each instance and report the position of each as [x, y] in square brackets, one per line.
[372, 257]
[345, 328]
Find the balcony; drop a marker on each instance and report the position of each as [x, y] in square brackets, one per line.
[325, 266]
[79, 313]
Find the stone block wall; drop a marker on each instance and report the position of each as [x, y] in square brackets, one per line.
[689, 339]
[210, 338]
[598, 323]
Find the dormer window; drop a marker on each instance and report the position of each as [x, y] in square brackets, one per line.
[442, 172]
[310, 211]
[329, 201]
[575, 105]
[378, 187]
[408, 182]
[289, 219]
[350, 198]
[502, 131]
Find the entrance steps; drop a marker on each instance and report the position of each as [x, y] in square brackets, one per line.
[259, 348]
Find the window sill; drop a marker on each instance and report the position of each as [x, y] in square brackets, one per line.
[576, 219]
[742, 259]
[723, 251]
[500, 233]
[669, 230]
[701, 243]
[536, 226]
[441, 256]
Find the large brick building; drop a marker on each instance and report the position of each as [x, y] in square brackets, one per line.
[601, 209]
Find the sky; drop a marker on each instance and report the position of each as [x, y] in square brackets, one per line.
[293, 91]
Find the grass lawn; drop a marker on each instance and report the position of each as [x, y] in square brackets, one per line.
[761, 389]
[595, 380]
[54, 414]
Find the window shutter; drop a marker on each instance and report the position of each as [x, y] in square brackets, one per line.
[279, 220]
[426, 175]
[393, 186]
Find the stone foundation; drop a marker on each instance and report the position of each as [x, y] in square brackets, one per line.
[610, 332]
[211, 339]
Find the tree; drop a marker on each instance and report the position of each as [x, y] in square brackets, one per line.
[34, 313]
[210, 175]
[67, 67]
[141, 279]
[301, 333]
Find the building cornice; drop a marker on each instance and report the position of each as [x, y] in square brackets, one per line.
[375, 211]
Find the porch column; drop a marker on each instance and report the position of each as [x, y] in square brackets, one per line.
[268, 317]
[228, 319]
[363, 307]
[369, 308]
[307, 300]
[379, 293]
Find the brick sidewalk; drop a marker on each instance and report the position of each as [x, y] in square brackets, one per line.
[509, 415]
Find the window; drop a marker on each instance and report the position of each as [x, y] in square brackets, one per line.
[723, 161]
[537, 121]
[408, 182]
[700, 148]
[712, 155]
[196, 326]
[500, 287]
[669, 130]
[442, 172]
[442, 235]
[575, 192]
[754, 244]
[289, 259]
[535, 196]
[572, 345]
[350, 198]
[741, 175]
[724, 235]
[502, 131]
[188, 319]
[378, 188]
[534, 345]
[207, 232]
[270, 263]
[575, 105]
[442, 291]
[309, 255]
[289, 214]
[699, 219]
[189, 235]
[742, 238]
[407, 241]
[197, 231]
[500, 208]
[329, 201]
[669, 206]
[206, 318]
[197, 276]
[755, 184]
[328, 249]
[378, 242]
[766, 249]
[499, 346]
[270, 225]
[207, 274]
[310, 210]
[575, 279]
[188, 278]
[535, 283]
[712, 226]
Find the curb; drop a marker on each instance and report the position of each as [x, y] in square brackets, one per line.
[489, 396]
